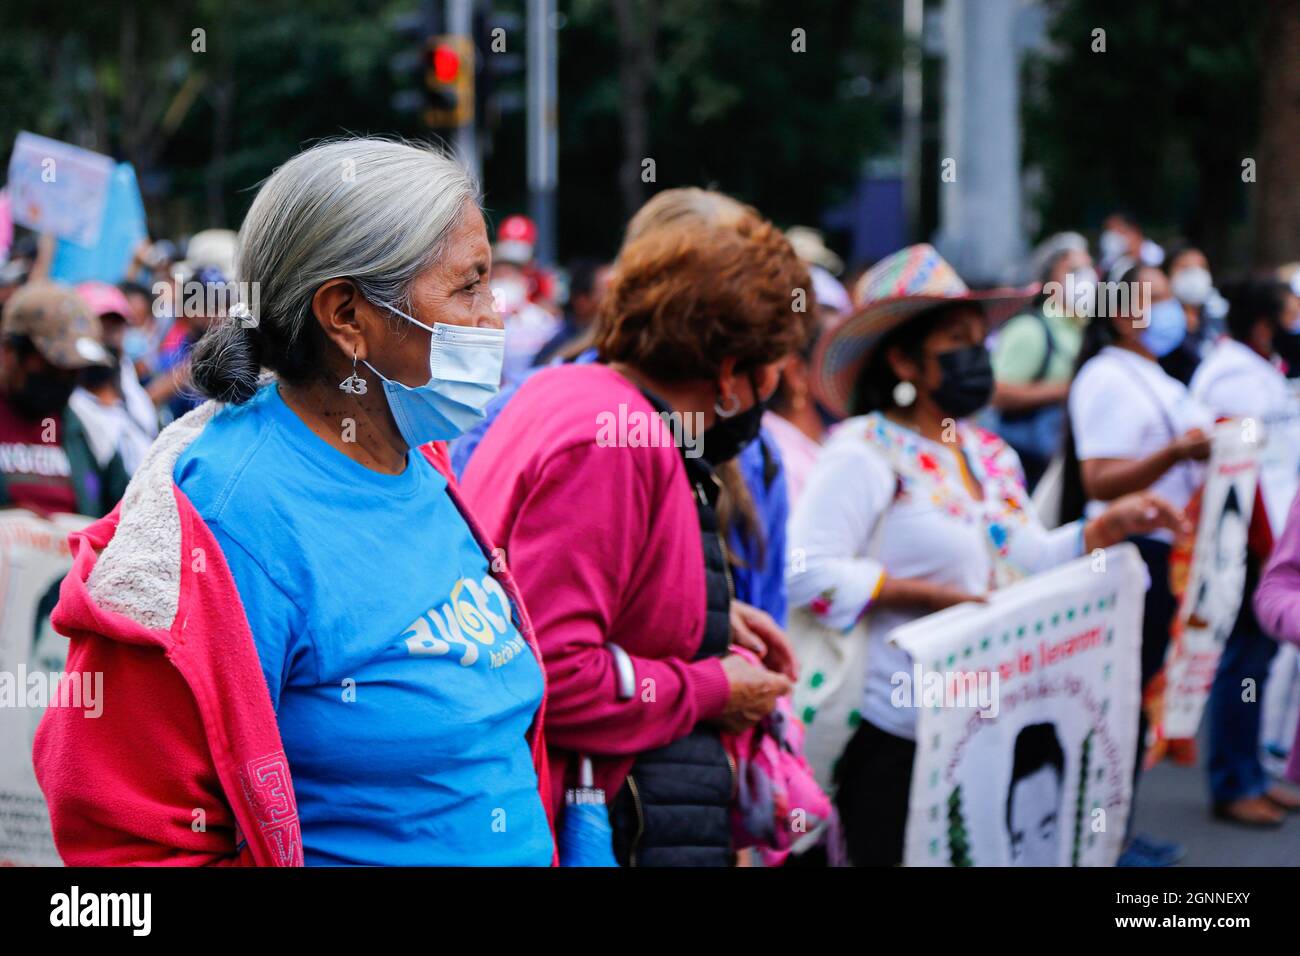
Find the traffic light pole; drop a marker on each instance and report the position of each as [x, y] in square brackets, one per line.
[543, 156]
[460, 21]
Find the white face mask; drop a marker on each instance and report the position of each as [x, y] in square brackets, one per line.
[1113, 245]
[1191, 286]
[464, 375]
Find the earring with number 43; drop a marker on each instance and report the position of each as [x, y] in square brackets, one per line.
[354, 384]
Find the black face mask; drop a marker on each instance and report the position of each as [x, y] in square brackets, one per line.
[727, 437]
[43, 395]
[96, 377]
[967, 383]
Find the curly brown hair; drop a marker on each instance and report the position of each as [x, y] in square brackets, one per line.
[682, 298]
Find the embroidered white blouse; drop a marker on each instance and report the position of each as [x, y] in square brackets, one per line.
[884, 500]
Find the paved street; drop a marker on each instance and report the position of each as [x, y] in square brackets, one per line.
[1173, 803]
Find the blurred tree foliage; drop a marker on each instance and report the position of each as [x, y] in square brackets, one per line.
[729, 103]
[1157, 124]
[202, 125]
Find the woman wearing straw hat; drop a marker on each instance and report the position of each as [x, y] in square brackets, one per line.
[939, 503]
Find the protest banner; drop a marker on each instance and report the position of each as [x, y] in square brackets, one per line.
[124, 228]
[1215, 581]
[58, 188]
[34, 557]
[1028, 717]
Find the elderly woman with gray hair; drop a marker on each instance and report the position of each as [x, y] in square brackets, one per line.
[311, 652]
[1033, 355]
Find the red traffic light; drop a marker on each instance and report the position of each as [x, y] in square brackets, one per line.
[446, 63]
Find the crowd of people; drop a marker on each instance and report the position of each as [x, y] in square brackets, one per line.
[387, 588]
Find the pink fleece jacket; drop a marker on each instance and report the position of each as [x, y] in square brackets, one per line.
[1277, 602]
[605, 543]
[185, 765]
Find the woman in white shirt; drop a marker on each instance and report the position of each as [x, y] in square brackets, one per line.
[911, 508]
[1133, 427]
[1239, 379]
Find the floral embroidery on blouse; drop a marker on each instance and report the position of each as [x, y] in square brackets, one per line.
[821, 604]
[922, 475]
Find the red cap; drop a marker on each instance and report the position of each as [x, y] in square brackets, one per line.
[517, 229]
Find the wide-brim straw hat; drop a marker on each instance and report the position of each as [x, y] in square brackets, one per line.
[897, 288]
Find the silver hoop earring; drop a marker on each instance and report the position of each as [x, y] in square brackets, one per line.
[728, 412]
[354, 384]
[904, 394]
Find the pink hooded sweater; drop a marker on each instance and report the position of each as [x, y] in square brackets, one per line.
[1277, 603]
[187, 733]
[604, 539]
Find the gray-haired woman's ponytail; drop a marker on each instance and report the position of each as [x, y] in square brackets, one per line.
[225, 364]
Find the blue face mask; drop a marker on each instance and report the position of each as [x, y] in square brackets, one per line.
[1167, 328]
[136, 344]
[464, 374]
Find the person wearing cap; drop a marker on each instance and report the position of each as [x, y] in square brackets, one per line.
[120, 419]
[1033, 357]
[517, 245]
[48, 335]
[912, 508]
[529, 326]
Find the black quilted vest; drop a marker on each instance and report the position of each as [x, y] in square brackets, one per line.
[675, 807]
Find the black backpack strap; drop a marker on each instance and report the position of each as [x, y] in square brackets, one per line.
[770, 467]
[1050, 347]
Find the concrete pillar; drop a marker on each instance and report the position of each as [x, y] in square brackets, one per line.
[980, 229]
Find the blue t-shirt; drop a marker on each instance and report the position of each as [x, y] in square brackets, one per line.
[401, 684]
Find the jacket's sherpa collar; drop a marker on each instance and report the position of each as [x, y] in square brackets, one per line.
[139, 573]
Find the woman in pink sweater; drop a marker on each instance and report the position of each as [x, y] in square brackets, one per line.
[598, 482]
[1277, 605]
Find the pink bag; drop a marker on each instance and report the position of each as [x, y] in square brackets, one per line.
[779, 802]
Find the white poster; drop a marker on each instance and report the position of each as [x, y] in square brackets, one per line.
[1028, 719]
[58, 188]
[34, 557]
[1212, 598]
[1279, 460]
